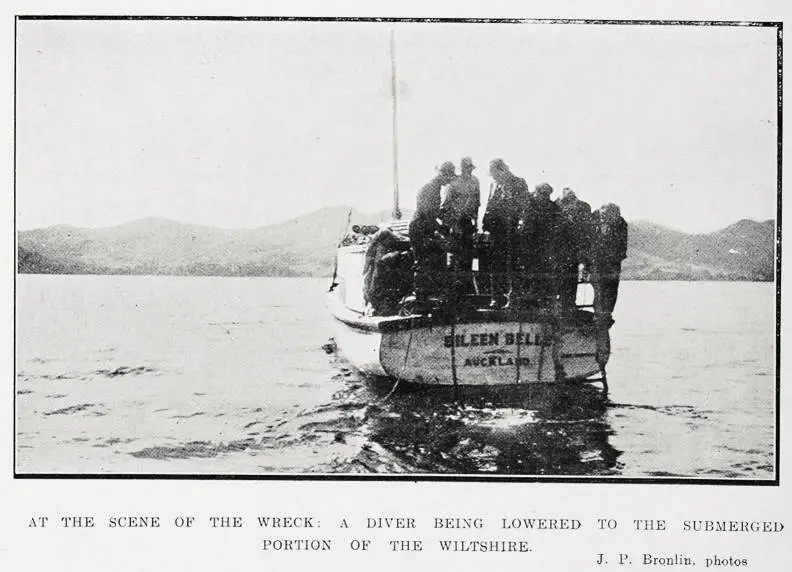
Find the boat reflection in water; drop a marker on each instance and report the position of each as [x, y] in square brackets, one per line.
[535, 430]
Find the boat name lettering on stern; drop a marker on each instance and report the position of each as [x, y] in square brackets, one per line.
[494, 361]
[494, 339]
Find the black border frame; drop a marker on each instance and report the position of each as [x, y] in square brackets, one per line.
[778, 25]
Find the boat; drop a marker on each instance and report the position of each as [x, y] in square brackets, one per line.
[459, 342]
[472, 346]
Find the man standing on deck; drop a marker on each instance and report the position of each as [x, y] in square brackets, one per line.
[573, 245]
[459, 213]
[508, 196]
[426, 235]
[539, 238]
[608, 249]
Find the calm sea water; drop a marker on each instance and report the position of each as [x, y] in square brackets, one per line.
[128, 374]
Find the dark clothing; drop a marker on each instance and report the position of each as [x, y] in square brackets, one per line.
[393, 280]
[428, 200]
[575, 228]
[428, 251]
[462, 200]
[464, 232]
[567, 278]
[506, 202]
[539, 241]
[430, 258]
[380, 244]
[387, 272]
[608, 249]
[606, 289]
[573, 247]
[608, 241]
[459, 213]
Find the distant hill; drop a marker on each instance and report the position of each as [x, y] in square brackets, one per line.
[34, 263]
[305, 245]
[744, 250]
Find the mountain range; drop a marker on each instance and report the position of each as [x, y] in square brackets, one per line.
[304, 246]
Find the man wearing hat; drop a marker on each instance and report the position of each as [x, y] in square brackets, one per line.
[459, 213]
[508, 196]
[426, 235]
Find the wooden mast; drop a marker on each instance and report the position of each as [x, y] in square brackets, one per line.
[396, 213]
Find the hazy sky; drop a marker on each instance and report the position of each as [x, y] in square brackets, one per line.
[241, 124]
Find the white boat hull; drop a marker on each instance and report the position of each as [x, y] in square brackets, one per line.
[486, 353]
[470, 353]
[361, 348]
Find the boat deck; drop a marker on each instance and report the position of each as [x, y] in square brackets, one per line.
[580, 318]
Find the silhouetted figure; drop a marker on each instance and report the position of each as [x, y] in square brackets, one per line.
[426, 236]
[573, 245]
[508, 197]
[459, 214]
[539, 238]
[608, 249]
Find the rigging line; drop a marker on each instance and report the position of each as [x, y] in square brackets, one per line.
[453, 355]
[396, 214]
[519, 337]
[542, 350]
[452, 294]
[556, 349]
[404, 364]
[333, 282]
[345, 227]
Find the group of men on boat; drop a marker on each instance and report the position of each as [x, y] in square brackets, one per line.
[533, 250]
